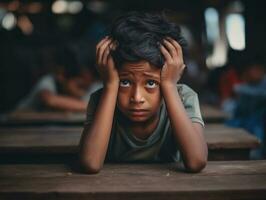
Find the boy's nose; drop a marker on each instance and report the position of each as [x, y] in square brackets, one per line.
[137, 96]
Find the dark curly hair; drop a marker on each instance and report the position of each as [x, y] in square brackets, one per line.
[138, 36]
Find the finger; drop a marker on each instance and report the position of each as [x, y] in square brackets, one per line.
[106, 53]
[102, 49]
[102, 40]
[170, 47]
[177, 47]
[183, 69]
[113, 46]
[110, 61]
[98, 47]
[166, 54]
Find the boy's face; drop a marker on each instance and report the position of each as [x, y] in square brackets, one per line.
[139, 96]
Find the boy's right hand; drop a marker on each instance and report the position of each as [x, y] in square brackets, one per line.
[105, 62]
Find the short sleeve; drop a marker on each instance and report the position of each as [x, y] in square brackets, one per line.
[31, 101]
[92, 105]
[191, 103]
[46, 83]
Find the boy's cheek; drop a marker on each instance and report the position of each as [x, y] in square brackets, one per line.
[123, 90]
[154, 95]
[122, 100]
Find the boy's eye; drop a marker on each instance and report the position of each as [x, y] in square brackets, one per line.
[151, 84]
[124, 83]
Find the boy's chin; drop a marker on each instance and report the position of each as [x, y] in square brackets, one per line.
[138, 119]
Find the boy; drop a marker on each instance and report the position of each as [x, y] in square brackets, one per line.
[141, 114]
[62, 90]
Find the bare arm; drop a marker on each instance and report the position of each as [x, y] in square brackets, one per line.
[60, 102]
[188, 135]
[95, 137]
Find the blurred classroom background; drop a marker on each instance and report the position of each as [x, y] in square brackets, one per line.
[47, 73]
[51, 44]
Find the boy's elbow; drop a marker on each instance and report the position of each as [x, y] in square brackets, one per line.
[196, 165]
[90, 167]
[48, 99]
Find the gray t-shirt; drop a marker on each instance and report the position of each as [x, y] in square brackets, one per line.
[160, 146]
[48, 83]
[32, 101]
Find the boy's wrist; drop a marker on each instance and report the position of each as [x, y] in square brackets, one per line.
[111, 85]
[168, 85]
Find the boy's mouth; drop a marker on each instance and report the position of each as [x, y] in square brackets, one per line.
[138, 112]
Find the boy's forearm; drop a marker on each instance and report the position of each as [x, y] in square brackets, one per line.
[190, 141]
[95, 139]
[61, 102]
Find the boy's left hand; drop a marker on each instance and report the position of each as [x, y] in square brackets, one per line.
[174, 65]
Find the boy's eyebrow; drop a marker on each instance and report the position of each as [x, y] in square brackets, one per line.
[151, 75]
[147, 74]
[124, 73]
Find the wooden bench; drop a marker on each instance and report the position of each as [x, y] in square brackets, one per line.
[224, 143]
[219, 180]
[210, 114]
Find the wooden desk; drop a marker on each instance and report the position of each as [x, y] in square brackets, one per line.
[224, 143]
[219, 180]
[42, 118]
[211, 114]
[227, 143]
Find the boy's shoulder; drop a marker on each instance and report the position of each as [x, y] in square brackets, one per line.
[185, 90]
